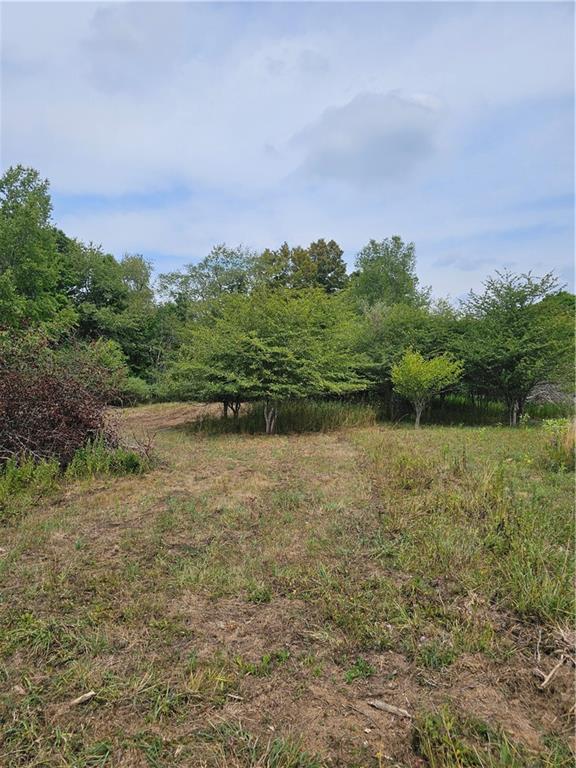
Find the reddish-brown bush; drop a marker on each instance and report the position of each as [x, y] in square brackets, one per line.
[50, 404]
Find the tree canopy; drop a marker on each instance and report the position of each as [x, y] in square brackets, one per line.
[386, 273]
[518, 333]
[288, 322]
[272, 346]
[418, 379]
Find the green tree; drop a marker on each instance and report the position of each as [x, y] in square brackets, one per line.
[386, 331]
[30, 266]
[113, 299]
[329, 268]
[386, 273]
[519, 333]
[224, 271]
[270, 346]
[320, 265]
[419, 380]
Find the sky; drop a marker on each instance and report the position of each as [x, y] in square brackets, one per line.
[165, 128]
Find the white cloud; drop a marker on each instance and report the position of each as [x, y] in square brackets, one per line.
[371, 140]
[292, 122]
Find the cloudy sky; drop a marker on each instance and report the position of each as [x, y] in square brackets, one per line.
[165, 128]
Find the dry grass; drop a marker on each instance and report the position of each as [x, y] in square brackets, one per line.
[240, 604]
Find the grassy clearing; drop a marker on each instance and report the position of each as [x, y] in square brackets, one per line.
[476, 509]
[242, 602]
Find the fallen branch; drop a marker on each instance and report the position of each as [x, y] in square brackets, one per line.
[390, 708]
[83, 699]
[552, 673]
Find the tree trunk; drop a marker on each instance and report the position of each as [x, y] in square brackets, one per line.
[270, 414]
[419, 407]
[514, 408]
[225, 408]
[235, 405]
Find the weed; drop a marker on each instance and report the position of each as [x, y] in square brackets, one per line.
[97, 459]
[264, 667]
[560, 443]
[435, 654]
[448, 740]
[360, 670]
[22, 481]
[259, 593]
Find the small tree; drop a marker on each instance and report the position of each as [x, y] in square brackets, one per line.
[418, 379]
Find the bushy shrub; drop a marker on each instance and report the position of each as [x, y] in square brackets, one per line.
[51, 403]
[134, 391]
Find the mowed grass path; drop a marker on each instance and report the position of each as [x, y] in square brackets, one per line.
[245, 602]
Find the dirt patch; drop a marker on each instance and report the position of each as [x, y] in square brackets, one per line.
[152, 418]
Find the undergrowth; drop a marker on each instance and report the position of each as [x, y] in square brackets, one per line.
[25, 480]
[296, 416]
[560, 443]
[98, 459]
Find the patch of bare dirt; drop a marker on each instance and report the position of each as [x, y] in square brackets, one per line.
[151, 418]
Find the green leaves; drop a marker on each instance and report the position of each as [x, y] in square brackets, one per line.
[271, 345]
[386, 272]
[29, 260]
[418, 379]
[517, 334]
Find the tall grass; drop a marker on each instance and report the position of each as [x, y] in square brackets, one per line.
[488, 516]
[457, 409]
[22, 480]
[97, 458]
[560, 443]
[294, 416]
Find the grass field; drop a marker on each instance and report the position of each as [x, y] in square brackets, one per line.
[369, 596]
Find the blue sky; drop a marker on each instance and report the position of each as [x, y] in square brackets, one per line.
[165, 128]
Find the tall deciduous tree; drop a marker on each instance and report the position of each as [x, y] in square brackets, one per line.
[224, 271]
[518, 335]
[320, 265]
[29, 261]
[386, 273]
[113, 299]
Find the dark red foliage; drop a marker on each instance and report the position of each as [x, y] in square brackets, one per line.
[49, 405]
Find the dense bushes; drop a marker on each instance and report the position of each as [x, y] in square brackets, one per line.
[51, 404]
[53, 416]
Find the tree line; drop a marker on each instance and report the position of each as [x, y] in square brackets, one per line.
[242, 326]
